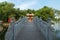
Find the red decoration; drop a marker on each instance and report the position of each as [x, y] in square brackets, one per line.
[9, 20]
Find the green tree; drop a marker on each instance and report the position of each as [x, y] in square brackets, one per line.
[30, 11]
[5, 10]
[45, 13]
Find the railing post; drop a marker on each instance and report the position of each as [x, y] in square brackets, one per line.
[45, 28]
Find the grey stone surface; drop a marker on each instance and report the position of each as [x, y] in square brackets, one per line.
[14, 28]
[24, 30]
[45, 28]
[29, 32]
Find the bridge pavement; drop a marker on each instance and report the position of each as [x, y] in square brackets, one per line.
[29, 32]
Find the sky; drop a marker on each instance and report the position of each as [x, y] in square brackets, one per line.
[34, 4]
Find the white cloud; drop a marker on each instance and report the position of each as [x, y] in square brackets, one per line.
[2, 0]
[26, 5]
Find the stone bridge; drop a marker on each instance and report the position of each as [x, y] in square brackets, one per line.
[25, 30]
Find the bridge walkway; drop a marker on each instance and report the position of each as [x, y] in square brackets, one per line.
[30, 32]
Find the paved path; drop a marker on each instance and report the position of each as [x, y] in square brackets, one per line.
[30, 32]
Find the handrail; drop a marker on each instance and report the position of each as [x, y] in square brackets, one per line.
[13, 29]
[45, 28]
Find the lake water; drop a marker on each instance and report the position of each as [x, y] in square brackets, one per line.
[57, 26]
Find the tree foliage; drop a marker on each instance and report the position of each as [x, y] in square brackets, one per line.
[7, 10]
[45, 13]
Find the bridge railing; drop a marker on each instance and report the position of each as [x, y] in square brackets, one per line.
[14, 29]
[45, 28]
